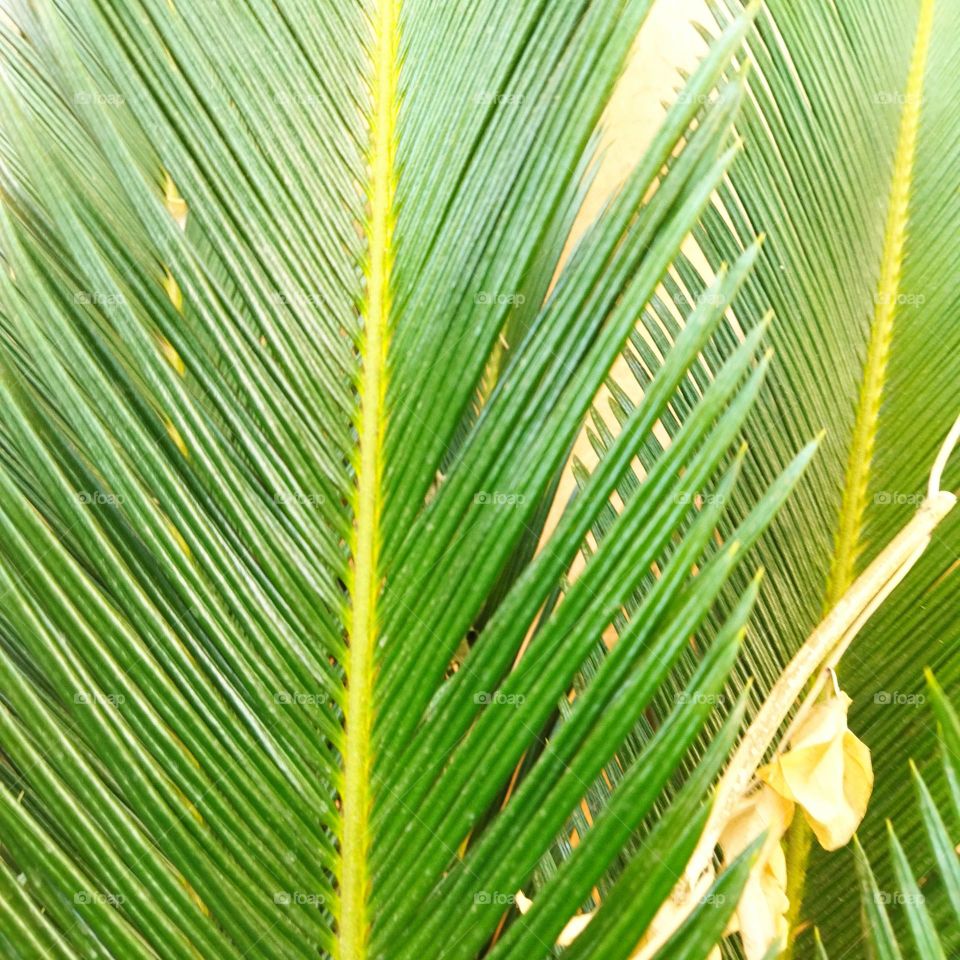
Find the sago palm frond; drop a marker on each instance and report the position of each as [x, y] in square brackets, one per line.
[851, 133]
[276, 634]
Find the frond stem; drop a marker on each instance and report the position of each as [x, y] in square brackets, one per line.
[354, 915]
[854, 503]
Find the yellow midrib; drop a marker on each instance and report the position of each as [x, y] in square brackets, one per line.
[854, 503]
[354, 880]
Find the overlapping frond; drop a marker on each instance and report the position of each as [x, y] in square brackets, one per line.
[850, 129]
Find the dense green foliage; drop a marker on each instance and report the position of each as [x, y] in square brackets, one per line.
[289, 665]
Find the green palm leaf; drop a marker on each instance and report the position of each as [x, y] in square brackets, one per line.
[270, 488]
[848, 124]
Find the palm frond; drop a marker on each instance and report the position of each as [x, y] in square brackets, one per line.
[271, 644]
[848, 124]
